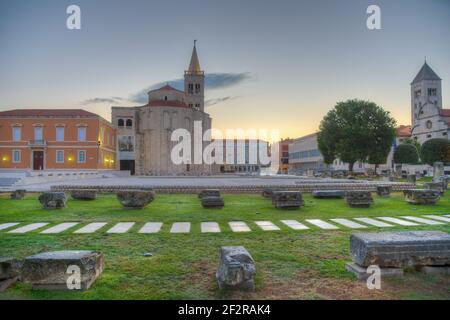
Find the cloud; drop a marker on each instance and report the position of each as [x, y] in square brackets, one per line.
[103, 100]
[211, 102]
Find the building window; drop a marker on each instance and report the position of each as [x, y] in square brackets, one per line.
[129, 123]
[81, 133]
[81, 156]
[197, 88]
[59, 133]
[17, 156]
[165, 98]
[17, 133]
[59, 156]
[197, 106]
[120, 123]
[432, 92]
[38, 133]
[429, 124]
[190, 88]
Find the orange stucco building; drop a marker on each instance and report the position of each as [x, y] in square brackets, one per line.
[46, 139]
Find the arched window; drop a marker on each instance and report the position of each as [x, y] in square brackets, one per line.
[129, 123]
[120, 123]
[429, 124]
[165, 98]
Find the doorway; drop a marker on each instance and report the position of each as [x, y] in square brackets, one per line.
[127, 165]
[38, 160]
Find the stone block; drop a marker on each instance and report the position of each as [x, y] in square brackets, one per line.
[287, 199]
[438, 170]
[50, 270]
[212, 202]
[411, 178]
[53, 200]
[18, 194]
[361, 272]
[421, 196]
[209, 193]
[445, 270]
[439, 186]
[236, 269]
[9, 268]
[83, 194]
[400, 249]
[135, 199]
[358, 198]
[268, 193]
[384, 191]
[328, 194]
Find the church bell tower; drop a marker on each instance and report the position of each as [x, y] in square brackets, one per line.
[194, 83]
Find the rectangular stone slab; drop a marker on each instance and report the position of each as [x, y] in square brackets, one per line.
[422, 220]
[374, 222]
[4, 226]
[439, 218]
[267, 225]
[239, 226]
[151, 227]
[398, 221]
[60, 227]
[349, 224]
[400, 249]
[294, 224]
[181, 227]
[210, 227]
[121, 227]
[322, 224]
[29, 227]
[91, 227]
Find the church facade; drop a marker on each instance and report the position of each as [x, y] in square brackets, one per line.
[144, 132]
[429, 120]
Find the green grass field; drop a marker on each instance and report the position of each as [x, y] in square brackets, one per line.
[290, 264]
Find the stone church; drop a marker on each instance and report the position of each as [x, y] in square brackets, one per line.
[428, 117]
[144, 132]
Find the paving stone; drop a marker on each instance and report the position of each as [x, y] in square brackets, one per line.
[239, 226]
[210, 227]
[349, 223]
[60, 227]
[374, 222]
[294, 224]
[151, 227]
[398, 221]
[422, 220]
[322, 224]
[181, 227]
[4, 226]
[91, 227]
[267, 225]
[121, 227]
[29, 227]
[440, 218]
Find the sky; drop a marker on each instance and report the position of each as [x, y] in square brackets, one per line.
[269, 64]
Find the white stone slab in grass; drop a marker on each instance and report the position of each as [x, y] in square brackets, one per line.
[91, 227]
[322, 224]
[151, 227]
[181, 227]
[294, 224]
[439, 218]
[4, 226]
[60, 227]
[239, 226]
[398, 221]
[267, 225]
[210, 227]
[374, 222]
[29, 227]
[349, 223]
[121, 227]
[422, 220]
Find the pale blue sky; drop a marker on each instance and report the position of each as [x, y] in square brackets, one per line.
[289, 61]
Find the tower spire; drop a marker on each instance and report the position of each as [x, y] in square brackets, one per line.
[194, 65]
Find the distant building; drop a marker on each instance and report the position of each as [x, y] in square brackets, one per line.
[283, 154]
[53, 139]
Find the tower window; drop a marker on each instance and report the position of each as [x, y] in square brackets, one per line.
[129, 123]
[190, 88]
[165, 98]
[197, 88]
[120, 123]
[432, 92]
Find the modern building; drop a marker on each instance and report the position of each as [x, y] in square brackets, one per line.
[428, 118]
[54, 139]
[283, 154]
[144, 132]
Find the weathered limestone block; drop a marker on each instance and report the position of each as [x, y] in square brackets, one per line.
[236, 269]
[384, 191]
[401, 249]
[9, 268]
[411, 178]
[358, 198]
[268, 193]
[287, 199]
[212, 202]
[439, 186]
[362, 274]
[50, 270]
[209, 193]
[18, 194]
[421, 196]
[83, 194]
[438, 171]
[53, 200]
[445, 180]
[135, 199]
[328, 194]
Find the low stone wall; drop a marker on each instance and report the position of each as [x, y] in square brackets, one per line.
[306, 188]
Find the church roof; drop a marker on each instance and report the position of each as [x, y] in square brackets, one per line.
[403, 131]
[445, 112]
[194, 65]
[426, 73]
[167, 87]
[167, 103]
[69, 113]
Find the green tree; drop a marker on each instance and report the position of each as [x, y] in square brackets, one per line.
[406, 153]
[414, 142]
[435, 150]
[356, 130]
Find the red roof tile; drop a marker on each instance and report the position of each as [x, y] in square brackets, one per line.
[445, 112]
[47, 113]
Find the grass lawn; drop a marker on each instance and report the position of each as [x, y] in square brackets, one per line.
[290, 264]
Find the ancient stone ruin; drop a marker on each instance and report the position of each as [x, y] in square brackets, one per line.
[236, 269]
[9, 272]
[384, 191]
[438, 186]
[422, 196]
[359, 199]
[411, 178]
[212, 202]
[328, 194]
[209, 193]
[287, 199]
[17, 194]
[53, 200]
[83, 194]
[135, 199]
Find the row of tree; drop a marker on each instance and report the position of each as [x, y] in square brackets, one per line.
[357, 130]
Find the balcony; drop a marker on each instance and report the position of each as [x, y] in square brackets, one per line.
[37, 143]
